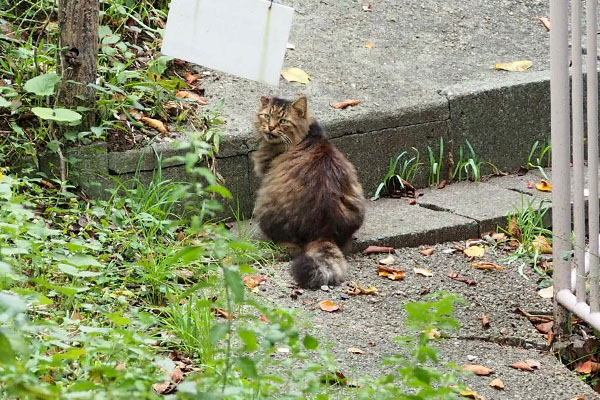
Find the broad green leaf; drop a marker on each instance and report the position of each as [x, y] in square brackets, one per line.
[4, 102]
[159, 65]
[248, 367]
[310, 342]
[42, 85]
[82, 260]
[73, 353]
[57, 114]
[11, 303]
[217, 331]
[234, 281]
[118, 319]
[249, 339]
[7, 354]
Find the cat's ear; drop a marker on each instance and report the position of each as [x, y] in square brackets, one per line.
[264, 100]
[300, 106]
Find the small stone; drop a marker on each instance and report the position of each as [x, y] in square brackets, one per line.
[325, 288]
[344, 296]
[471, 357]
[263, 288]
[528, 345]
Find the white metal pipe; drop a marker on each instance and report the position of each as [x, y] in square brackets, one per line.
[592, 137]
[581, 309]
[560, 124]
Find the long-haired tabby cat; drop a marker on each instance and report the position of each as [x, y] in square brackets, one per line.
[310, 200]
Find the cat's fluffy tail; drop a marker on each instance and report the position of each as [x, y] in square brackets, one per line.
[320, 262]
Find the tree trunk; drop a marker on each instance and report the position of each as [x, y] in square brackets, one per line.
[78, 21]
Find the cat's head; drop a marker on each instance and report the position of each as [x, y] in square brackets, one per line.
[282, 121]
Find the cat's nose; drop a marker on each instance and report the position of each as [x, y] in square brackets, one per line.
[271, 128]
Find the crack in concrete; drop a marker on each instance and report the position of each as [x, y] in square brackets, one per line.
[512, 342]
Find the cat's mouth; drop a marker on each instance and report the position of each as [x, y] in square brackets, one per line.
[270, 136]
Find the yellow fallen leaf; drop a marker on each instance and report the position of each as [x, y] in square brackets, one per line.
[328, 305]
[487, 265]
[156, 124]
[356, 350]
[186, 94]
[543, 186]
[515, 66]
[497, 384]
[470, 394]
[369, 45]
[361, 290]
[295, 75]
[434, 334]
[423, 272]
[474, 251]
[391, 273]
[546, 22]
[541, 244]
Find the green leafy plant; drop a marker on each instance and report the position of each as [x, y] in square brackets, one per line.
[435, 164]
[399, 174]
[541, 159]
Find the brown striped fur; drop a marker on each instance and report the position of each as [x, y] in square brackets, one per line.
[309, 197]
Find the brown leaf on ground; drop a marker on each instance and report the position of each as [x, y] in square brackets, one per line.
[219, 312]
[357, 289]
[478, 369]
[486, 265]
[543, 186]
[356, 350]
[513, 228]
[535, 364]
[176, 375]
[499, 236]
[515, 66]
[545, 327]
[423, 272]
[180, 236]
[391, 273]
[546, 22]
[485, 321]
[459, 247]
[442, 184]
[345, 103]
[541, 244]
[329, 306]
[48, 184]
[550, 338]
[337, 378]
[156, 124]
[497, 384]
[588, 367]
[264, 319]
[186, 94]
[191, 78]
[378, 249]
[475, 251]
[454, 275]
[253, 281]
[389, 260]
[523, 366]
[473, 242]
[162, 387]
[426, 252]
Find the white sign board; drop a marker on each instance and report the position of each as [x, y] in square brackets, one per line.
[246, 38]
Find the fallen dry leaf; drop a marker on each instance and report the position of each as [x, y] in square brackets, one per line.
[191, 78]
[543, 186]
[546, 293]
[369, 45]
[295, 75]
[442, 184]
[545, 327]
[264, 318]
[478, 369]
[486, 265]
[361, 290]
[389, 260]
[156, 124]
[523, 366]
[253, 281]
[426, 252]
[378, 249]
[434, 334]
[219, 312]
[535, 364]
[499, 236]
[546, 22]
[162, 387]
[186, 94]
[513, 228]
[121, 366]
[345, 103]
[515, 66]
[497, 384]
[485, 321]
[541, 244]
[470, 394]
[356, 350]
[423, 272]
[473, 242]
[329, 306]
[530, 185]
[475, 251]
[176, 375]
[550, 338]
[454, 275]
[588, 367]
[391, 273]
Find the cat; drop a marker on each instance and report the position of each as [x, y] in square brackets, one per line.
[310, 200]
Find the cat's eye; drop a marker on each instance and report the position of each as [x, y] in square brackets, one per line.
[266, 117]
[283, 121]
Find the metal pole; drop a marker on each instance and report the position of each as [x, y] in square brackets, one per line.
[560, 124]
[592, 136]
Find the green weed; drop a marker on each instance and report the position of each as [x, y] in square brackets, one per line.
[399, 173]
[435, 164]
[540, 157]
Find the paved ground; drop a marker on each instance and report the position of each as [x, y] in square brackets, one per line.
[462, 211]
